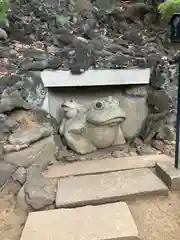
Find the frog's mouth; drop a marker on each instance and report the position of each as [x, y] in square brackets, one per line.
[111, 121]
[65, 108]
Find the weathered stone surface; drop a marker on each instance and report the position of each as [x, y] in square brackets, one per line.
[110, 221]
[41, 151]
[108, 187]
[169, 174]
[40, 192]
[136, 111]
[21, 200]
[29, 136]
[7, 125]
[19, 175]
[11, 99]
[103, 165]
[164, 148]
[167, 132]
[6, 171]
[138, 91]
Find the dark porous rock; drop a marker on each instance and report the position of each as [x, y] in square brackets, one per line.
[8, 81]
[139, 10]
[65, 37]
[115, 61]
[54, 62]
[139, 91]
[11, 99]
[32, 88]
[83, 58]
[160, 100]
[164, 148]
[158, 76]
[7, 126]
[166, 132]
[45, 119]
[40, 192]
[4, 52]
[36, 54]
[153, 58]
[152, 124]
[34, 66]
[145, 150]
[141, 148]
[114, 48]
[133, 35]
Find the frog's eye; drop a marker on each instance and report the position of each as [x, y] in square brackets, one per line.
[99, 105]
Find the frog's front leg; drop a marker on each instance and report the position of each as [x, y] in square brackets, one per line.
[119, 140]
[79, 143]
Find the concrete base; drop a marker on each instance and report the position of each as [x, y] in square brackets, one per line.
[169, 174]
[110, 221]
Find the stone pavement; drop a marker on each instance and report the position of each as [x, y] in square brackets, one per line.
[89, 197]
[104, 222]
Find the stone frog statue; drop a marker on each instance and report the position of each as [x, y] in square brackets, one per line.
[87, 129]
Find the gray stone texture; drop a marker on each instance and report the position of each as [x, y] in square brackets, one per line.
[110, 221]
[107, 188]
[169, 174]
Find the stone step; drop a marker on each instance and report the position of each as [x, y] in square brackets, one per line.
[103, 166]
[110, 221]
[107, 188]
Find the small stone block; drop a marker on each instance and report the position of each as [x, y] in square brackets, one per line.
[110, 221]
[108, 188]
[169, 174]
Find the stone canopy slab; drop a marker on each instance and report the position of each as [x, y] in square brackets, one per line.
[95, 78]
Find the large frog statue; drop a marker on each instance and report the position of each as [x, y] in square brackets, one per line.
[98, 126]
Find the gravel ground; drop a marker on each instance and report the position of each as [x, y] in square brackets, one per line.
[157, 218]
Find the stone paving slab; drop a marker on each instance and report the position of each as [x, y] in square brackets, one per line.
[103, 166]
[108, 188]
[104, 222]
[169, 174]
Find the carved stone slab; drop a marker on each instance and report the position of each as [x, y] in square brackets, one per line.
[95, 77]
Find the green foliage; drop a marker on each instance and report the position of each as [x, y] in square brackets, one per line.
[4, 6]
[62, 20]
[167, 9]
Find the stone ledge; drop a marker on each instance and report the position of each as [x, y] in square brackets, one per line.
[169, 174]
[96, 77]
[110, 221]
[103, 166]
[108, 188]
